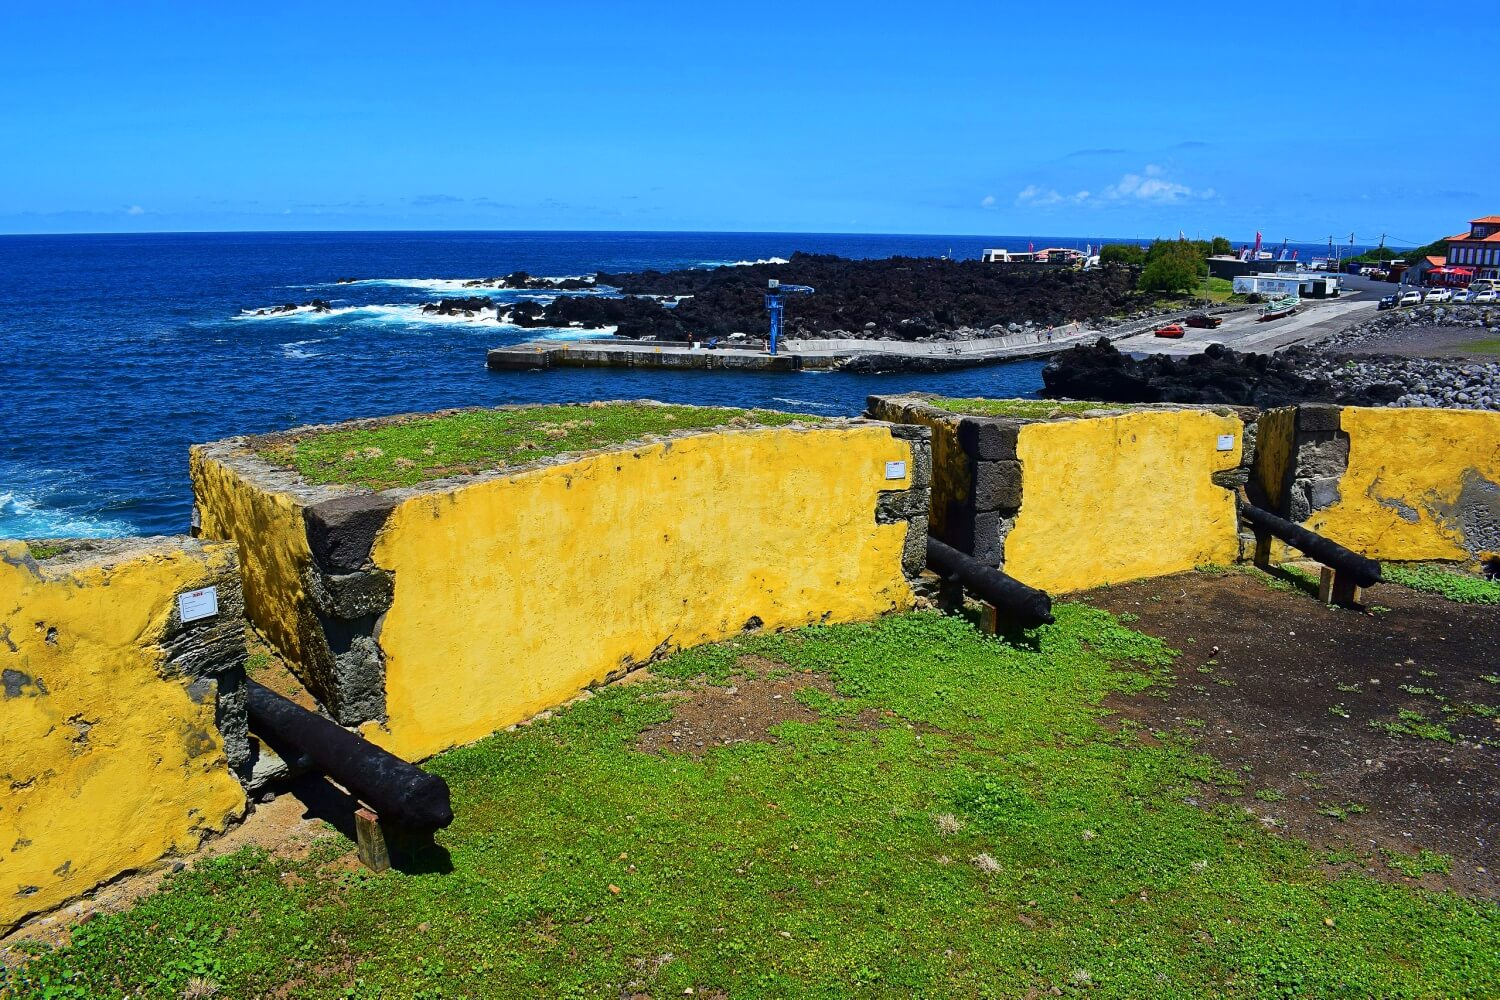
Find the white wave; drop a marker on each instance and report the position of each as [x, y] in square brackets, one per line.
[412, 315]
[301, 314]
[398, 314]
[743, 263]
[23, 516]
[295, 348]
[804, 402]
[458, 285]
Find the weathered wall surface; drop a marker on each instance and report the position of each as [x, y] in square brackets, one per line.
[1111, 499]
[513, 594]
[1275, 437]
[266, 527]
[119, 724]
[951, 517]
[434, 615]
[1418, 484]
[1076, 502]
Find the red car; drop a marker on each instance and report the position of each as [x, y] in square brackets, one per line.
[1205, 321]
[1170, 330]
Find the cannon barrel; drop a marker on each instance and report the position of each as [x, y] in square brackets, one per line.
[1363, 571]
[399, 792]
[1027, 606]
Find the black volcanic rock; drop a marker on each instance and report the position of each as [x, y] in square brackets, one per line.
[902, 298]
[458, 307]
[1100, 372]
[316, 305]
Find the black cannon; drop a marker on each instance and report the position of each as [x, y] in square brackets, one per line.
[1026, 606]
[401, 794]
[1346, 571]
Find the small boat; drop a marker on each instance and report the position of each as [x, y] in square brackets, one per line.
[1280, 308]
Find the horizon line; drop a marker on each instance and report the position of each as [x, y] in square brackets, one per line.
[674, 232]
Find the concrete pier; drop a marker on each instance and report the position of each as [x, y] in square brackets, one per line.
[794, 355]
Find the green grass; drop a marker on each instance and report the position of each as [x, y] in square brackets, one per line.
[1037, 409]
[1490, 345]
[408, 452]
[40, 552]
[1458, 587]
[993, 836]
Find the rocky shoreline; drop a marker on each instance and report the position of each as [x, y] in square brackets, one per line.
[1423, 382]
[1324, 372]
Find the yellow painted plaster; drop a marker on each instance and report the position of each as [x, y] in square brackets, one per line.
[514, 593]
[1411, 462]
[106, 765]
[1109, 499]
[268, 532]
[1274, 433]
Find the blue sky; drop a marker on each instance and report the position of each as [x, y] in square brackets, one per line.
[987, 118]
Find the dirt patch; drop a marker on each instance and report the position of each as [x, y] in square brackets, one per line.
[758, 697]
[1368, 731]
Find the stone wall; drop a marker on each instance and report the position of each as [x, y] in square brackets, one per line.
[1398, 484]
[435, 615]
[1078, 501]
[121, 727]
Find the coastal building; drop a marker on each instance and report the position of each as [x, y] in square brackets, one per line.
[1277, 285]
[1231, 266]
[1478, 249]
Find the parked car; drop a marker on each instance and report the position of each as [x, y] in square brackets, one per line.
[1170, 330]
[1437, 295]
[1204, 321]
[1461, 295]
[1386, 302]
[1489, 295]
[1410, 299]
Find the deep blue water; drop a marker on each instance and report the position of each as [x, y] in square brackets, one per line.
[120, 351]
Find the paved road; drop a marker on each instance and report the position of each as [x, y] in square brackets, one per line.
[1243, 331]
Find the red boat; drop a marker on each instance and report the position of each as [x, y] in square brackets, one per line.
[1170, 330]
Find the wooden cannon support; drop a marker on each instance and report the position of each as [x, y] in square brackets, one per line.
[1005, 597]
[400, 800]
[1345, 573]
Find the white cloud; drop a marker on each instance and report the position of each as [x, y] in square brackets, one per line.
[1033, 195]
[1150, 185]
[988, 201]
[135, 210]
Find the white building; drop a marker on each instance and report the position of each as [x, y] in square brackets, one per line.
[1277, 286]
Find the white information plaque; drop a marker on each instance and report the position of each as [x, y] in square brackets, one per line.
[895, 470]
[197, 604]
[1226, 442]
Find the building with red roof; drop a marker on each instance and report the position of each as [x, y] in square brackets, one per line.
[1478, 249]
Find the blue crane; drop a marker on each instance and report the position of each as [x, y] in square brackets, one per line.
[774, 291]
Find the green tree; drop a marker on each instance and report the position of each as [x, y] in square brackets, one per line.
[1122, 253]
[1220, 245]
[1173, 266]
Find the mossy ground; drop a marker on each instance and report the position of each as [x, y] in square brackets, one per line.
[1037, 409]
[1460, 587]
[410, 451]
[993, 835]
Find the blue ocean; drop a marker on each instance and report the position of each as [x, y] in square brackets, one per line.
[123, 350]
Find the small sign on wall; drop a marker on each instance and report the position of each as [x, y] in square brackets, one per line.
[1226, 442]
[895, 470]
[198, 604]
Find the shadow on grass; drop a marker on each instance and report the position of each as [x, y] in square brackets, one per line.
[412, 853]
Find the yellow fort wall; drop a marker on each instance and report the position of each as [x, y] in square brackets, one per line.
[513, 593]
[108, 760]
[1420, 484]
[267, 528]
[1110, 499]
